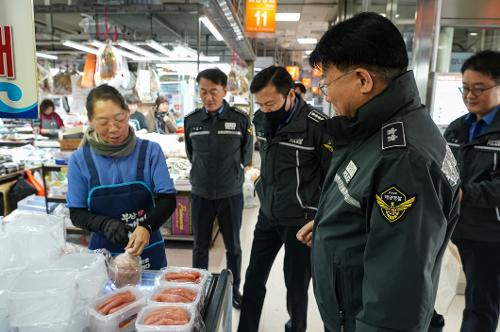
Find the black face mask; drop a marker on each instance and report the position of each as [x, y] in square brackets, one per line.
[277, 117]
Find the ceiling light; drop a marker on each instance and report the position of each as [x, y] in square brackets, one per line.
[396, 16]
[46, 56]
[206, 21]
[159, 47]
[80, 47]
[287, 17]
[308, 52]
[382, 14]
[185, 51]
[473, 33]
[307, 41]
[137, 49]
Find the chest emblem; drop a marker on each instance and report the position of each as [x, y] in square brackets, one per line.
[394, 204]
[230, 125]
[349, 171]
[197, 128]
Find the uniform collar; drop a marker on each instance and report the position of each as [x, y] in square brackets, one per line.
[488, 118]
[401, 95]
[221, 112]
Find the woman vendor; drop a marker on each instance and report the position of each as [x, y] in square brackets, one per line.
[119, 187]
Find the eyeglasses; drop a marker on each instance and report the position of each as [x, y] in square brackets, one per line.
[475, 91]
[324, 87]
[117, 120]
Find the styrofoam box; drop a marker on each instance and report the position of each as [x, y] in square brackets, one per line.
[38, 237]
[202, 284]
[90, 269]
[189, 327]
[42, 297]
[163, 287]
[120, 321]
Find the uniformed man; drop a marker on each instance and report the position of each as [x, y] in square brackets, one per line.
[295, 155]
[219, 143]
[475, 140]
[390, 199]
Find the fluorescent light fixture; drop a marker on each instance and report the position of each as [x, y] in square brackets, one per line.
[80, 47]
[185, 51]
[159, 47]
[46, 56]
[382, 14]
[287, 17]
[307, 41]
[126, 54]
[137, 49]
[206, 21]
[473, 33]
[308, 52]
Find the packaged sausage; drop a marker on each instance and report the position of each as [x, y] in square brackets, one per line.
[175, 294]
[125, 269]
[116, 311]
[168, 318]
[184, 275]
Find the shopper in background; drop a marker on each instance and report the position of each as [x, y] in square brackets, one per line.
[165, 121]
[219, 143]
[300, 89]
[390, 200]
[119, 187]
[137, 119]
[475, 140]
[50, 121]
[295, 156]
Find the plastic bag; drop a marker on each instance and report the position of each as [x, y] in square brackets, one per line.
[62, 84]
[89, 71]
[111, 68]
[125, 269]
[249, 197]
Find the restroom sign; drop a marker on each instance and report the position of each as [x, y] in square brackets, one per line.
[18, 71]
[260, 16]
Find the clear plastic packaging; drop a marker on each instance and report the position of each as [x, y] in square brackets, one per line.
[195, 288]
[42, 297]
[90, 270]
[193, 324]
[200, 282]
[125, 270]
[121, 320]
[38, 238]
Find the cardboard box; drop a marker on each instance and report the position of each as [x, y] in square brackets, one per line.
[181, 218]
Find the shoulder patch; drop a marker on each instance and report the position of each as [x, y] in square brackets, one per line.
[316, 116]
[237, 110]
[193, 112]
[393, 135]
[394, 203]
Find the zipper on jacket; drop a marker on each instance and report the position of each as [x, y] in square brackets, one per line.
[339, 293]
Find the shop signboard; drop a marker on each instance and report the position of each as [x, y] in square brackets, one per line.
[260, 16]
[294, 72]
[18, 72]
[447, 103]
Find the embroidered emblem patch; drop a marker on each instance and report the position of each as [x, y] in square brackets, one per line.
[230, 125]
[393, 135]
[394, 204]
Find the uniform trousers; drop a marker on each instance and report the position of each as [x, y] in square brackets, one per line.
[229, 212]
[269, 237]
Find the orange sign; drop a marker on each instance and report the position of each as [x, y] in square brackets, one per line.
[306, 82]
[294, 72]
[317, 71]
[315, 90]
[260, 16]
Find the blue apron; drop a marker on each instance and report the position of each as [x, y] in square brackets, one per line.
[128, 202]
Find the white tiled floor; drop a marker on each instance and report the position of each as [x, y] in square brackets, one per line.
[274, 313]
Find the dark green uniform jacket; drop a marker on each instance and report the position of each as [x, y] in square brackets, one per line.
[218, 149]
[294, 165]
[480, 174]
[387, 210]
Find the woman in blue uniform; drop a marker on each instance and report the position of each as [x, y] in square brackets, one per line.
[119, 187]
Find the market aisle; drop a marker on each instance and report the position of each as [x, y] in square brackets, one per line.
[274, 313]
